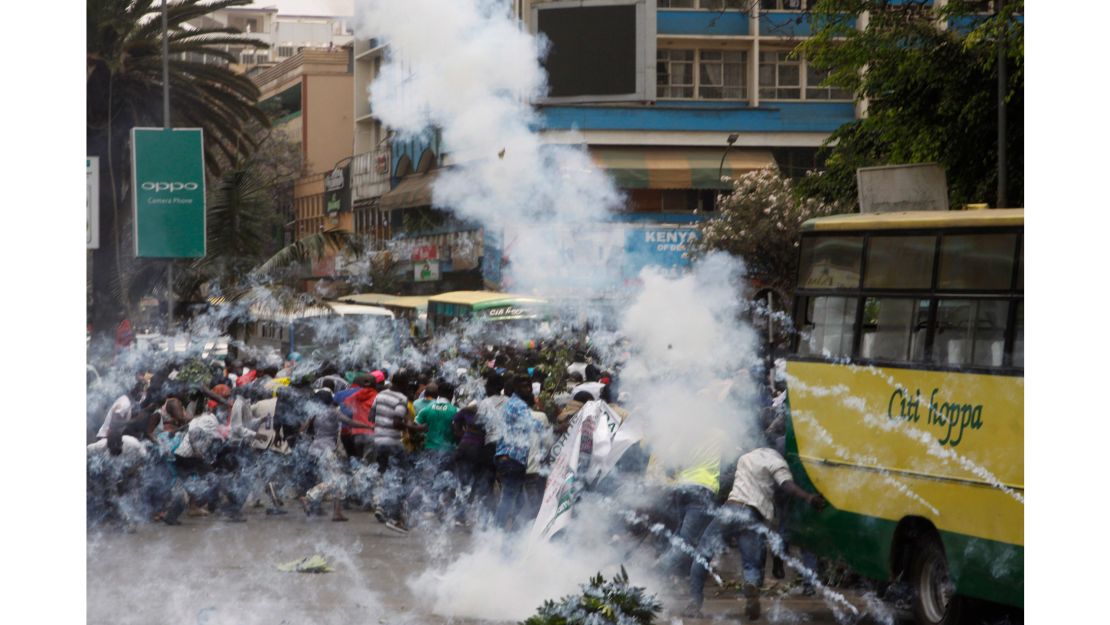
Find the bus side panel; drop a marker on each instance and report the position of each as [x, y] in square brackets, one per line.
[986, 569]
[861, 542]
[873, 443]
[878, 460]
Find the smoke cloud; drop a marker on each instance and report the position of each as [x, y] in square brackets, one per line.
[468, 68]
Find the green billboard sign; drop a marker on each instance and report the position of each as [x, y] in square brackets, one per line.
[167, 171]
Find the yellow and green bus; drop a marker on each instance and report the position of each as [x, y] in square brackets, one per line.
[501, 308]
[905, 391]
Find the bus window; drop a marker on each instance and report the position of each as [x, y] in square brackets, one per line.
[1017, 359]
[970, 332]
[1021, 266]
[827, 329]
[900, 262]
[894, 329]
[830, 262]
[976, 261]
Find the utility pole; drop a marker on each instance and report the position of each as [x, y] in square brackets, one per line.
[166, 125]
[1002, 202]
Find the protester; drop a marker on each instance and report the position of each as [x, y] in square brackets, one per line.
[357, 402]
[692, 500]
[330, 479]
[511, 459]
[246, 434]
[747, 516]
[390, 412]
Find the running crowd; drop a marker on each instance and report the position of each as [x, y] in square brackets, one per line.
[413, 448]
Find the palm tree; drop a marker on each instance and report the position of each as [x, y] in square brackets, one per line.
[124, 90]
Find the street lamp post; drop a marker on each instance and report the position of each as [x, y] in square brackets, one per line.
[166, 125]
[731, 139]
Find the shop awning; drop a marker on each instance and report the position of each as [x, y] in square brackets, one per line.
[412, 191]
[677, 168]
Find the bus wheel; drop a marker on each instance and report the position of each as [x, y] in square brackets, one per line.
[935, 601]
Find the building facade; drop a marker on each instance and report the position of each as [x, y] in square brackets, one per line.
[666, 95]
[287, 35]
[717, 91]
[308, 97]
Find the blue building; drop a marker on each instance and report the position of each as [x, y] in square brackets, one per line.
[666, 95]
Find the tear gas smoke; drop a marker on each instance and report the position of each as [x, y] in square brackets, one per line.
[468, 68]
[693, 370]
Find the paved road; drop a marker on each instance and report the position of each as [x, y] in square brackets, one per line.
[210, 572]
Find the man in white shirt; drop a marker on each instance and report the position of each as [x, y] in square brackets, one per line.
[748, 513]
[120, 411]
[113, 466]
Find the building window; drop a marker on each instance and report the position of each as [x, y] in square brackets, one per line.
[285, 51]
[675, 69]
[780, 76]
[786, 77]
[784, 5]
[816, 90]
[721, 75]
[709, 5]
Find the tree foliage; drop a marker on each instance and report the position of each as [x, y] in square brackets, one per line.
[124, 89]
[244, 222]
[601, 602]
[760, 221]
[930, 92]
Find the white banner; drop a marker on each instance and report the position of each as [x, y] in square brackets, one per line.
[609, 440]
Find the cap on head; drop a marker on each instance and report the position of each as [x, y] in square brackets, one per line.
[378, 376]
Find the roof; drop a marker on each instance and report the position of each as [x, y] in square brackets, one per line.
[484, 299]
[413, 190]
[367, 298]
[419, 302]
[332, 308]
[999, 217]
[349, 310]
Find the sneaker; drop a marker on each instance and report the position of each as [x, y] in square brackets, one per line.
[397, 526]
[379, 516]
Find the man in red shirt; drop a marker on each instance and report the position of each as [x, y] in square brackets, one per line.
[357, 405]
